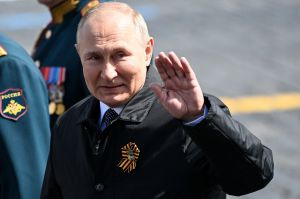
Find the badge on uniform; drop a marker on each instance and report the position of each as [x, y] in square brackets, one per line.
[55, 78]
[12, 104]
[130, 155]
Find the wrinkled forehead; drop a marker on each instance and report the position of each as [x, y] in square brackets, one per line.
[115, 9]
[110, 14]
[107, 23]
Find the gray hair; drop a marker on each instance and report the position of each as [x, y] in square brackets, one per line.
[137, 19]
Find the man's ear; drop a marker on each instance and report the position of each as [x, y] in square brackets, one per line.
[149, 50]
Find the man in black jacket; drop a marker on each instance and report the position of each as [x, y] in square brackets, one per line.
[137, 138]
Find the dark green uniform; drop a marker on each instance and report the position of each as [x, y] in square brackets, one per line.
[55, 49]
[24, 123]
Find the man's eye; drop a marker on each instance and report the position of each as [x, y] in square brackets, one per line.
[92, 58]
[120, 55]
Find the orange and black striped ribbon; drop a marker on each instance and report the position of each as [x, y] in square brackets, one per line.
[130, 155]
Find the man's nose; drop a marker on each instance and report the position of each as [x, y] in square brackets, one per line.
[108, 72]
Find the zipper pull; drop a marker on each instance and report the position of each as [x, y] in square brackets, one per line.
[97, 147]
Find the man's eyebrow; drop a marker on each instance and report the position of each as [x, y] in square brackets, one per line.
[89, 54]
[102, 51]
[94, 52]
[119, 48]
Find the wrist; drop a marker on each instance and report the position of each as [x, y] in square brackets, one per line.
[198, 114]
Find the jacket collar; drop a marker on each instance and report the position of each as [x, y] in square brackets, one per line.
[59, 11]
[135, 110]
[89, 110]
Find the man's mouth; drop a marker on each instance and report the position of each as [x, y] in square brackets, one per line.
[111, 86]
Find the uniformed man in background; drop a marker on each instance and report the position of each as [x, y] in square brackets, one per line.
[24, 123]
[55, 54]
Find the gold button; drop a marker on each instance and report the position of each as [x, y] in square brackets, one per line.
[37, 63]
[48, 34]
[52, 108]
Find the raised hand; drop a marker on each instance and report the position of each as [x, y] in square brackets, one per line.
[181, 94]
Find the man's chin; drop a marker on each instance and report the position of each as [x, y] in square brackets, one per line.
[114, 102]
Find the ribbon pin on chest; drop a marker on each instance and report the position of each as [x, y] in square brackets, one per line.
[130, 155]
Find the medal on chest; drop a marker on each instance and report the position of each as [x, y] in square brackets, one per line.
[55, 78]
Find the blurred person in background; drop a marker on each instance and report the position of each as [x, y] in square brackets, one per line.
[141, 138]
[56, 56]
[24, 123]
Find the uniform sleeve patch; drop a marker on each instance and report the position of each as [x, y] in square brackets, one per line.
[12, 104]
[2, 51]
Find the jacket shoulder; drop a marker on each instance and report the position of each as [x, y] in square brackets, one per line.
[77, 112]
[212, 102]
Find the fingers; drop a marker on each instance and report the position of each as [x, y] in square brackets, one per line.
[161, 68]
[177, 65]
[166, 71]
[188, 71]
[171, 67]
[164, 66]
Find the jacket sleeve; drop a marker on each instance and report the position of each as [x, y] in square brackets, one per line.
[50, 188]
[241, 163]
[25, 141]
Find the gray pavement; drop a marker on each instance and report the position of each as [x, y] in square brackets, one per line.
[236, 47]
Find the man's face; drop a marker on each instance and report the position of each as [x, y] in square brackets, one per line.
[114, 58]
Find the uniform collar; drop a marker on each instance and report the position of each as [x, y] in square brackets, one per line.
[135, 110]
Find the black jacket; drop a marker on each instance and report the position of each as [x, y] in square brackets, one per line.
[216, 157]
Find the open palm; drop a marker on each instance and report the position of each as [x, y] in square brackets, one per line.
[181, 94]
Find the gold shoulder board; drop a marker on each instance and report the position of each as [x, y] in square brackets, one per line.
[90, 5]
[2, 51]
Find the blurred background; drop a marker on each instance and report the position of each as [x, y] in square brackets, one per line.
[239, 50]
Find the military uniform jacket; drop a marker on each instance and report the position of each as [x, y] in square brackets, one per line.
[56, 48]
[24, 124]
[215, 157]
